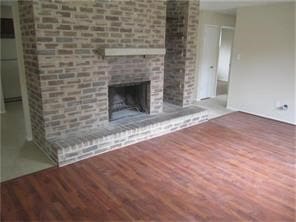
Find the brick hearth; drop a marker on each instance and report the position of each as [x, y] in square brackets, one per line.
[121, 133]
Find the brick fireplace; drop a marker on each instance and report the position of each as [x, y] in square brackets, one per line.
[70, 81]
[67, 78]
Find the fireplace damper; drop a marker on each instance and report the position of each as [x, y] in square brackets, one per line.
[127, 100]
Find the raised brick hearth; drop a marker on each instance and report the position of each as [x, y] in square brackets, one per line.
[121, 133]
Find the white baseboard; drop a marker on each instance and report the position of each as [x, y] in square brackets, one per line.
[260, 115]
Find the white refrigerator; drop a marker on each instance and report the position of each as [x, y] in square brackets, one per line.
[9, 69]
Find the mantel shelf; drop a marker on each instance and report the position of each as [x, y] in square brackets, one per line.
[131, 51]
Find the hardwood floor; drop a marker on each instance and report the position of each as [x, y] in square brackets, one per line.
[235, 168]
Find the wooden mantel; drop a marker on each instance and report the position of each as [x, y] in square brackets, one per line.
[131, 51]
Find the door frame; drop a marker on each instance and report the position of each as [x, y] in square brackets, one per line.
[201, 47]
[21, 69]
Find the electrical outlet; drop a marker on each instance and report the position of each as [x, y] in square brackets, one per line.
[285, 107]
[281, 106]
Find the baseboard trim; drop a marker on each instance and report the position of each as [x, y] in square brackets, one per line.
[263, 116]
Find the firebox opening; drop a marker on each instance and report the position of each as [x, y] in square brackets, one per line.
[128, 100]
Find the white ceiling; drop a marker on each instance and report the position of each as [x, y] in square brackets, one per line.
[230, 6]
[221, 6]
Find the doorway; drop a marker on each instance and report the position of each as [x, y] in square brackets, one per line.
[224, 60]
[9, 64]
[215, 61]
[208, 63]
[214, 69]
[19, 155]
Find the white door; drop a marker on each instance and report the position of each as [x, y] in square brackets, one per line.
[209, 59]
[226, 40]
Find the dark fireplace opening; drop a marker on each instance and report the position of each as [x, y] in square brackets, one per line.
[128, 100]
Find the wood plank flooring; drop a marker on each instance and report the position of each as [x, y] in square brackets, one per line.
[235, 168]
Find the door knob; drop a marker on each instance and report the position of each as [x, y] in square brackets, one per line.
[211, 67]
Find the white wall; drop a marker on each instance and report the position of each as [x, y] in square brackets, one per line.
[214, 18]
[264, 75]
[209, 18]
[9, 65]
